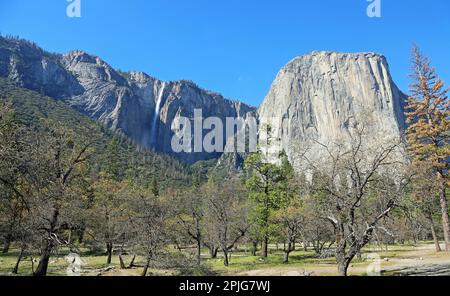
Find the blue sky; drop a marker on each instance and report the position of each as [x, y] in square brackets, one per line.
[234, 47]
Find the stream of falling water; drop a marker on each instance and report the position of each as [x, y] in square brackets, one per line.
[155, 124]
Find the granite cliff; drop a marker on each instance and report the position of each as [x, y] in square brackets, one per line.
[134, 103]
[314, 100]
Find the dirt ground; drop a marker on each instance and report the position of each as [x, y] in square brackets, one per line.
[423, 260]
[398, 260]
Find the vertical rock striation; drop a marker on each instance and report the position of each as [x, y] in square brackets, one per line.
[141, 107]
[317, 98]
[314, 101]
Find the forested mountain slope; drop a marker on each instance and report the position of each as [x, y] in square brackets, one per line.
[33, 109]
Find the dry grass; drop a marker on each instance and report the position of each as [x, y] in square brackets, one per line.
[301, 263]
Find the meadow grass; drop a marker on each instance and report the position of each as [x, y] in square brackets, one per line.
[241, 262]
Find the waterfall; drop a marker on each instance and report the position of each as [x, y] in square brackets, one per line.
[155, 124]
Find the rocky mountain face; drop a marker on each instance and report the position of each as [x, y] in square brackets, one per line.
[30, 67]
[317, 98]
[140, 106]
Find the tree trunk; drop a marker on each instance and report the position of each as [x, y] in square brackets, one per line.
[80, 234]
[342, 260]
[444, 210]
[433, 233]
[32, 264]
[343, 267]
[147, 264]
[109, 251]
[225, 257]
[199, 252]
[7, 243]
[199, 239]
[265, 247]
[286, 257]
[41, 270]
[287, 252]
[213, 252]
[254, 247]
[122, 264]
[16, 267]
[144, 272]
[9, 234]
[69, 239]
[132, 262]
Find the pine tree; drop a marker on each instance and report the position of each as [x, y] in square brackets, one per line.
[267, 187]
[428, 114]
[155, 187]
[111, 160]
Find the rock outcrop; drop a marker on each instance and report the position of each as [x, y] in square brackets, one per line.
[28, 66]
[317, 98]
[141, 107]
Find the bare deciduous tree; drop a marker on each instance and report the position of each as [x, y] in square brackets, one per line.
[149, 224]
[227, 211]
[190, 216]
[363, 185]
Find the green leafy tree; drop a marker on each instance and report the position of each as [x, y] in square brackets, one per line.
[267, 191]
[13, 170]
[60, 164]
